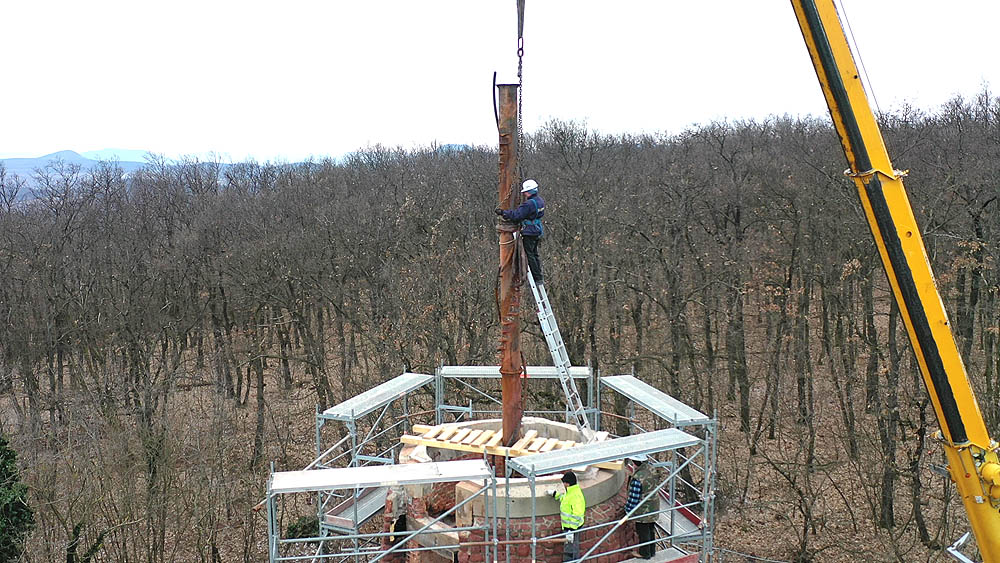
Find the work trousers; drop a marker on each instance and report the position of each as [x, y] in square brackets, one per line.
[534, 264]
[571, 549]
[645, 532]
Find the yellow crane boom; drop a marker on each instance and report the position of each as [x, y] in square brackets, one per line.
[972, 455]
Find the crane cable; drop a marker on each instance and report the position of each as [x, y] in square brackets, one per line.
[857, 52]
[520, 141]
[520, 89]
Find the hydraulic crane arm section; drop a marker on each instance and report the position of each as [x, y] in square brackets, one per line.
[972, 455]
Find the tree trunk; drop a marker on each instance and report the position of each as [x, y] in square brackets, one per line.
[871, 338]
[736, 349]
[843, 392]
[258, 436]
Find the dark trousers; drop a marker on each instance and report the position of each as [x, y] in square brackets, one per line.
[571, 549]
[645, 531]
[534, 264]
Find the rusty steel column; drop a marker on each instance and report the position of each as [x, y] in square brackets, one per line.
[510, 272]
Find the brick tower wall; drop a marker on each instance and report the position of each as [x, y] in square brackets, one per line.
[607, 512]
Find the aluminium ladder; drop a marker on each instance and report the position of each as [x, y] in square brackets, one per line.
[547, 320]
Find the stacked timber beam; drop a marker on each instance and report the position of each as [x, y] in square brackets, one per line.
[452, 437]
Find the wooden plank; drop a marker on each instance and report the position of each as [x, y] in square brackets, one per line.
[472, 436]
[537, 443]
[492, 450]
[548, 445]
[423, 428]
[418, 441]
[563, 444]
[446, 433]
[528, 437]
[457, 438]
[430, 433]
[484, 437]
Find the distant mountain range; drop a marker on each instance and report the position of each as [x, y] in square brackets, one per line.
[124, 155]
[129, 160]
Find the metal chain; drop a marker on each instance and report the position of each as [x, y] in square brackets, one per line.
[520, 93]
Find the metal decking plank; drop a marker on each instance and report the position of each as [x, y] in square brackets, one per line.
[656, 401]
[539, 372]
[371, 502]
[597, 452]
[377, 396]
[377, 476]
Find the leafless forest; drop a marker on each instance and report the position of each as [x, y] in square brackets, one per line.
[167, 334]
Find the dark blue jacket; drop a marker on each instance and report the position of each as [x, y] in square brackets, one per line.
[529, 215]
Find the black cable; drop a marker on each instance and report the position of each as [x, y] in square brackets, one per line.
[493, 94]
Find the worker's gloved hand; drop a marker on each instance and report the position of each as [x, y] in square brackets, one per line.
[552, 493]
[498, 211]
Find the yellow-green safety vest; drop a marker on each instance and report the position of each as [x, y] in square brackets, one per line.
[571, 507]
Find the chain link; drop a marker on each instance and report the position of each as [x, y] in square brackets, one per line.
[520, 91]
[520, 112]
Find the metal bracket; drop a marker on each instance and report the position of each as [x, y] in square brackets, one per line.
[940, 469]
[953, 549]
[896, 174]
[457, 411]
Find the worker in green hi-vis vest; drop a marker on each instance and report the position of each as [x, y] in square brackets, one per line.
[571, 508]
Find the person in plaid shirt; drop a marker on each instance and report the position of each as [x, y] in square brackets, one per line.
[642, 482]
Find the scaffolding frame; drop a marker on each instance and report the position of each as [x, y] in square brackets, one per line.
[466, 376]
[322, 481]
[678, 415]
[670, 440]
[352, 413]
[690, 442]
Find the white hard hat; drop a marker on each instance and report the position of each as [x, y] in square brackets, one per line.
[638, 458]
[529, 185]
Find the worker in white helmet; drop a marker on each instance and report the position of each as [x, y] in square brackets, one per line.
[529, 216]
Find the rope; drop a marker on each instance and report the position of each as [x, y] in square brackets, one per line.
[496, 296]
[504, 227]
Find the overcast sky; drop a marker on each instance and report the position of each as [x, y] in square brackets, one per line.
[291, 79]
